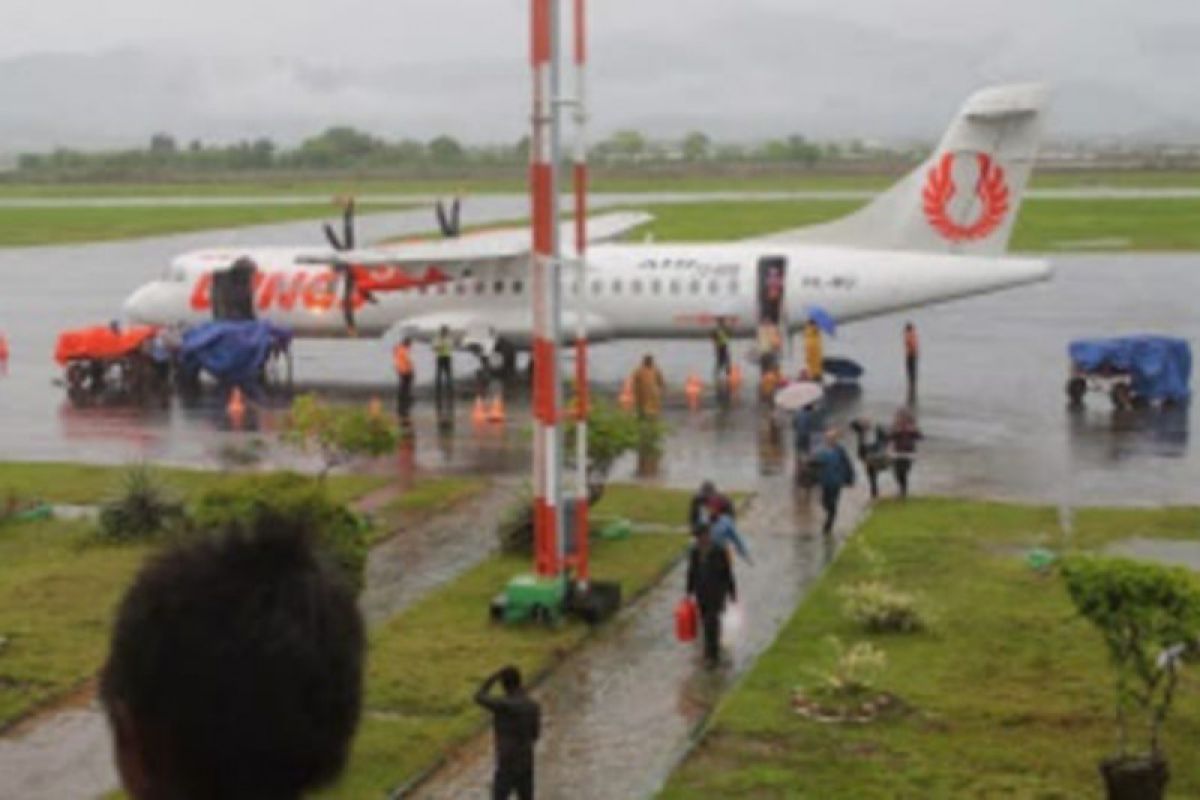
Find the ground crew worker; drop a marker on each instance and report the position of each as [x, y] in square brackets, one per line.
[814, 352]
[720, 338]
[835, 471]
[648, 386]
[710, 583]
[517, 723]
[905, 434]
[402, 360]
[912, 349]
[443, 378]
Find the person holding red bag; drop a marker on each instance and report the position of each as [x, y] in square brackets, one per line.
[710, 582]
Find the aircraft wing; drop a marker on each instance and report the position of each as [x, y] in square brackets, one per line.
[479, 331]
[483, 248]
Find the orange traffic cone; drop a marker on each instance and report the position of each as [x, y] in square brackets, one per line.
[626, 398]
[496, 412]
[3, 353]
[735, 377]
[236, 407]
[375, 407]
[478, 414]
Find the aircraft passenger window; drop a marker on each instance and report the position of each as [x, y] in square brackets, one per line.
[616, 287]
[713, 287]
[597, 287]
[674, 287]
[518, 287]
[655, 286]
[694, 287]
[635, 287]
[479, 286]
[460, 288]
[421, 288]
[733, 287]
[498, 287]
[441, 288]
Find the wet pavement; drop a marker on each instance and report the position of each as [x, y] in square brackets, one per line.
[619, 714]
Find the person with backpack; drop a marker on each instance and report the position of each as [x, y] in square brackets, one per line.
[835, 472]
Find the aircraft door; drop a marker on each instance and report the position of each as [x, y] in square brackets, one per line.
[772, 279]
[233, 291]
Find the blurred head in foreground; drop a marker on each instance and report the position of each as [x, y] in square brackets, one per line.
[235, 669]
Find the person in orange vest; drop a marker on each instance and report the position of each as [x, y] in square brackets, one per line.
[402, 360]
[911, 351]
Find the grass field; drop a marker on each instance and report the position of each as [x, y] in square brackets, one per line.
[59, 586]
[38, 226]
[1043, 225]
[624, 180]
[1009, 694]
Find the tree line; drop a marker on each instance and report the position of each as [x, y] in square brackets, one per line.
[346, 148]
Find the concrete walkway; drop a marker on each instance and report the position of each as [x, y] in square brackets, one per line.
[620, 714]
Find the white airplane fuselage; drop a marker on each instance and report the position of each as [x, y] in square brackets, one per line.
[632, 291]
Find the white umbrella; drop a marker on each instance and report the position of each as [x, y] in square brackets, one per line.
[797, 395]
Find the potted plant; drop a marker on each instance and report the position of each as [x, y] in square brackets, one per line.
[1149, 617]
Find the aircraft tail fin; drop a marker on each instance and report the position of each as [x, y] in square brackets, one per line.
[965, 197]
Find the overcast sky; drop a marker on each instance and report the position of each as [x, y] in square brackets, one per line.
[74, 71]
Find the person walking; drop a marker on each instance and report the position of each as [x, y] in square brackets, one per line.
[402, 361]
[443, 378]
[912, 348]
[648, 386]
[814, 352]
[835, 472]
[706, 503]
[804, 425]
[905, 435]
[720, 337]
[710, 583]
[872, 452]
[516, 724]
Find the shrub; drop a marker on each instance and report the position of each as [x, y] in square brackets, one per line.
[143, 510]
[297, 499]
[852, 672]
[338, 433]
[612, 432]
[878, 607]
[1149, 616]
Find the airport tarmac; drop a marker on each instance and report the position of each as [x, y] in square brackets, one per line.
[991, 400]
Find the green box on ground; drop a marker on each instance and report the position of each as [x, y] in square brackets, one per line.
[530, 597]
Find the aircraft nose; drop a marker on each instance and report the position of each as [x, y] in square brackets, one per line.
[138, 307]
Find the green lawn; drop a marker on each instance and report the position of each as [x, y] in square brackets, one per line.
[38, 226]
[59, 587]
[676, 178]
[1043, 225]
[1010, 694]
[88, 484]
[426, 663]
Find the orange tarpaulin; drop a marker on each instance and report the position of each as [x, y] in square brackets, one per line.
[100, 342]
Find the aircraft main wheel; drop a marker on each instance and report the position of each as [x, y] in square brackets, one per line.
[77, 384]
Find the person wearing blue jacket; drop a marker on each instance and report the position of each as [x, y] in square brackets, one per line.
[725, 534]
[835, 471]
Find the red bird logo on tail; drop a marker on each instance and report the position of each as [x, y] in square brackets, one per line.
[991, 189]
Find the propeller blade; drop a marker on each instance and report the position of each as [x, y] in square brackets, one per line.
[348, 288]
[442, 221]
[456, 217]
[331, 236]
[348, 225]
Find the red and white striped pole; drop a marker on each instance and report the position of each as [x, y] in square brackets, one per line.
[543, 190]
[581, 330]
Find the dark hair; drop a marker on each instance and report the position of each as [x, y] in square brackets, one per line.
[238, 658]
[648, 360]
[510, 679]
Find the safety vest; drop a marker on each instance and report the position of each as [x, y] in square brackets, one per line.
[721, 336]
[402, 360]
[910, 342]
[443, 346]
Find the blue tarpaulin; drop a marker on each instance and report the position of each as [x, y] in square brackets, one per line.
[233, 352]
[822, 319]
[1159, 367]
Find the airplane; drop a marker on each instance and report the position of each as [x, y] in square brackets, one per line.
[938, 234]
